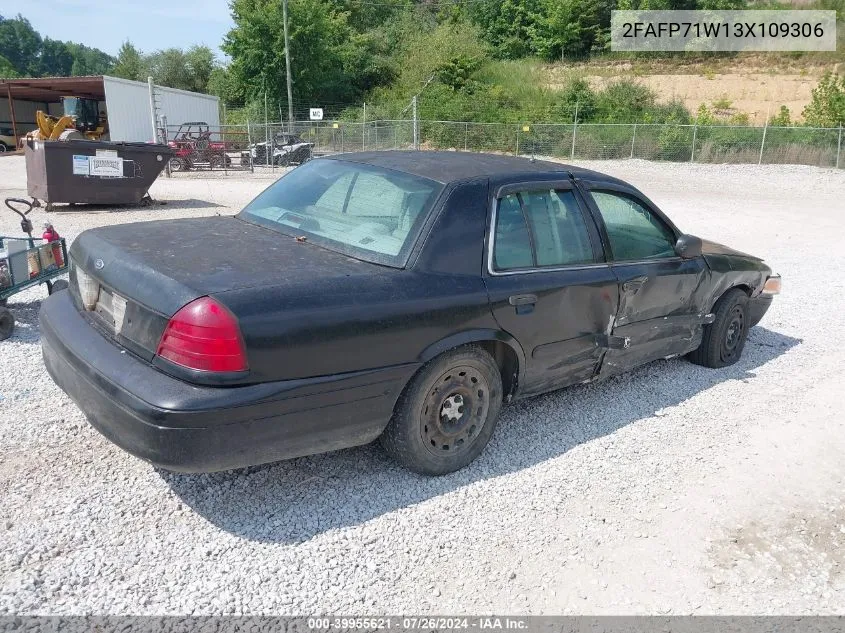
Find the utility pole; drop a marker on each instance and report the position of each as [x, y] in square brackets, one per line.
[287, 64]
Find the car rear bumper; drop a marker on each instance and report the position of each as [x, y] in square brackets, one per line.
[757, 307]
[190, 428]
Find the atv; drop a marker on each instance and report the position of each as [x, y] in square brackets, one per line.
[193, 146]
[286, 150]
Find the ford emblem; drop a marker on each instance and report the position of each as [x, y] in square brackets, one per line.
[99, 264]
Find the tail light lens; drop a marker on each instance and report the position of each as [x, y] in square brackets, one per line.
[89, 288]
[205, 336]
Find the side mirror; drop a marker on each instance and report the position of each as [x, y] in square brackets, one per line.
[688, 246]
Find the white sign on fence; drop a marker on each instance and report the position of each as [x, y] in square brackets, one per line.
[315, 114]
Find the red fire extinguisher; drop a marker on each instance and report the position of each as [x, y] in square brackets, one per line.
[51, 235]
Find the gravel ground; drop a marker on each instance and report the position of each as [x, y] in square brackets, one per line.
[675, 489]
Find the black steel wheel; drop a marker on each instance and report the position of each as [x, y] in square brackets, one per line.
[447, 413]
[724, 339]
[7, 323]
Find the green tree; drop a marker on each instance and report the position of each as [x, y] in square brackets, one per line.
[827, 107]
[200, 62]
[130, 63]
[87, 60]
[56, 60]
[509, 25]
[572, 28]
[20, 45]
[6, 69]
[169, 67]
[331, 64]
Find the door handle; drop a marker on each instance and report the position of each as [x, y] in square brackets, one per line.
[633, 285]
[522, 300]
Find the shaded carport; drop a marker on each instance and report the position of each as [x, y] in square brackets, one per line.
[49, 90]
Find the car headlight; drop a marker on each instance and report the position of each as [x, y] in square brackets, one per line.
[89, 288]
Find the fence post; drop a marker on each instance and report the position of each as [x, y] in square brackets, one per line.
[517, 141]
[249, 146]
[164, 140]
[466, 135]
[839, 146]
[416, 124]
[364, 130]
[763, 143]
[694, 134]
[633, 140]
[574, 129]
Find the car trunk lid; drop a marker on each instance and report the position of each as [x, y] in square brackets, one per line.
[145, 272]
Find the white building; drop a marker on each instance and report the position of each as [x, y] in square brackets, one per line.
[129, 105]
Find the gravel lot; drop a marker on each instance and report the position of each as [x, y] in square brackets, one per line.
[675, 489]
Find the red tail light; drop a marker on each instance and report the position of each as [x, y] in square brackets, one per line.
[204, 335]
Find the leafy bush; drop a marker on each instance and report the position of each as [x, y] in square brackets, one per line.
[827, 108]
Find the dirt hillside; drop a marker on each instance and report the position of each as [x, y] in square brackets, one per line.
[754, 86]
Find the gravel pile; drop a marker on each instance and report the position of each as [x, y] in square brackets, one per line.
[674, 489]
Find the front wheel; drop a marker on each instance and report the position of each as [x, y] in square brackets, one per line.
[724, 339]
[447, 412]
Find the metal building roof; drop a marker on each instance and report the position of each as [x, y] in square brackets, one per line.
[50, 89]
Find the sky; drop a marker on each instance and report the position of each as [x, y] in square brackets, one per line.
[149, 24]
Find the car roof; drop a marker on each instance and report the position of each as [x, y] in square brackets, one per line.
[449, 166]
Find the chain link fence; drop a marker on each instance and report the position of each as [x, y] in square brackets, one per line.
[274, 145]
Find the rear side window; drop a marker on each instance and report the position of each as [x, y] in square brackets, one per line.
[536, 229]
[360, 210]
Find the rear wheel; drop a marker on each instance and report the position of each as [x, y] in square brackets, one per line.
[7, 323]
[447, 413]
[724, 339]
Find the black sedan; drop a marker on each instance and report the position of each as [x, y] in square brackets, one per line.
[396, 295]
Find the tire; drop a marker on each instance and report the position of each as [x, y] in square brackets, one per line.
[424, 434]
[56, 286]
[178, 164]
[724, 339]
[7, 323]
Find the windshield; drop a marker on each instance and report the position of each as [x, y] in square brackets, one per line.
[366, 212]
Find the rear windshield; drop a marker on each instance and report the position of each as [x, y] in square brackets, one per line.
[366, 212]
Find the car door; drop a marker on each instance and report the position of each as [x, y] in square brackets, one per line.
[657, 314]
[548, 284]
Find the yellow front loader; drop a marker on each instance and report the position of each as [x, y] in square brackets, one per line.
[81, 120]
